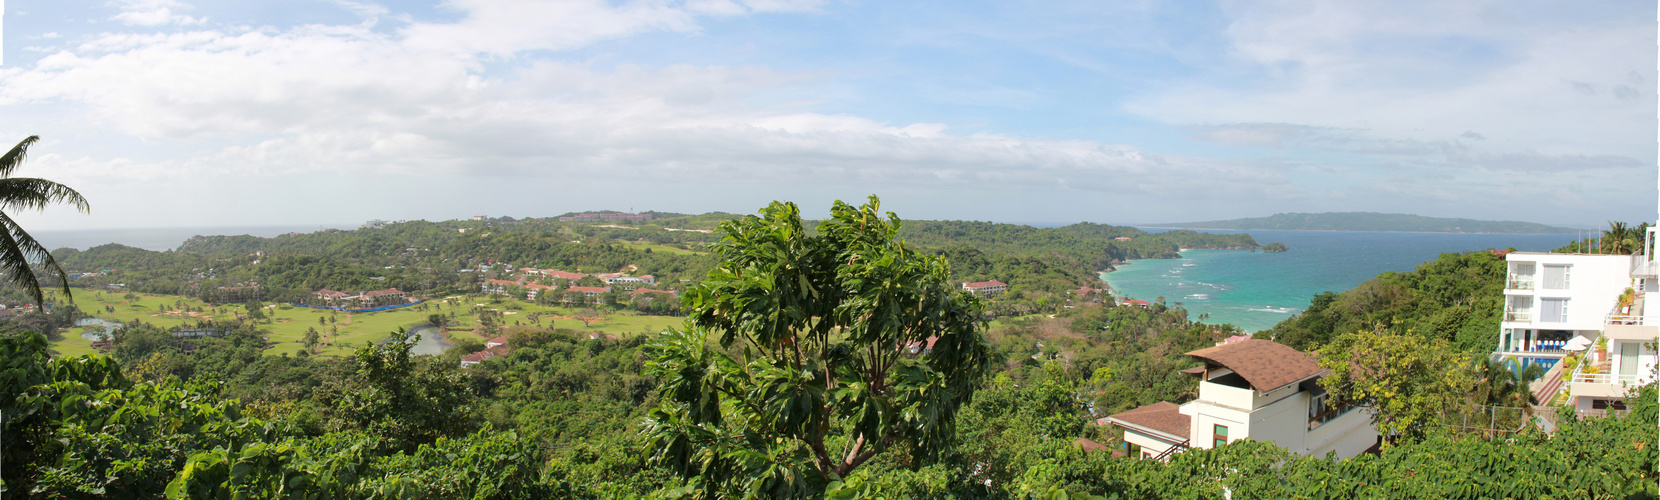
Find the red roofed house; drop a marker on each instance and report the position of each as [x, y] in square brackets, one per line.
[479, 357]
[388, 296]
[562, 275]
[589, 291]
[531, 291]
[1255, 389]
[924, 346]
[985, 288]
[616, 278]
[502, 340]
[1141, 303]
[497, 286]
[330, 296]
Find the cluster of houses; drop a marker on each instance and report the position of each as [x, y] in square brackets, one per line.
[532, 289]
[366, 299]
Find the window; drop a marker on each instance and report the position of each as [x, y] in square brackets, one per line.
[1221, 436]
[1553, 310]
[1316, 406]
[1556, 277]
[1133, 450]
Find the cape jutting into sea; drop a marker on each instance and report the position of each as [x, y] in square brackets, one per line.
[1257, 290]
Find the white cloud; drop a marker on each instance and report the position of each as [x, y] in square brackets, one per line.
[153, 13]
[1431, 71]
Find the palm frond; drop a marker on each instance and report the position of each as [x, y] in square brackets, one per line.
[27, 193]
[17, 249]
[13, 158]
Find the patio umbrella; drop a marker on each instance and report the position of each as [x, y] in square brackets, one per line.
[1578, 344]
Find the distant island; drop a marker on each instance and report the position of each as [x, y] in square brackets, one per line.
[1370, 221]
[1275, 247]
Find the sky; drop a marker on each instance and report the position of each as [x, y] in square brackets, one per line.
[181, 113]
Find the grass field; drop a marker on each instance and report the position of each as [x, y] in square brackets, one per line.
[287, 324]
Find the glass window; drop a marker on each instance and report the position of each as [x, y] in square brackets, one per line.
[1221, 435]
[1556, 277]
[1553, 310]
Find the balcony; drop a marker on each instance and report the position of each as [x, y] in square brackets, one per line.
[1518, 283]
[1626, 316]
[1519, 316]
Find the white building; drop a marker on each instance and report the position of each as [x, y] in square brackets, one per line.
[1551, 298]
[1622, 357]
[1256, 389]
[985, 288]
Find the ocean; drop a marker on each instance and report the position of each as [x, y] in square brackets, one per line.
[1257, 290]
[161, 239]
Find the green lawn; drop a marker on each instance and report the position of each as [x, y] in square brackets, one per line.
[287, 324]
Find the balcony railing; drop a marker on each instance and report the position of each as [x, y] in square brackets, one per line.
[1606, 378]
[1641, 267]
[1623, 319]
[1519, 284]
[1519, 316]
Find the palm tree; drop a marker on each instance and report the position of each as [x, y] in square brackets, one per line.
[17, 248]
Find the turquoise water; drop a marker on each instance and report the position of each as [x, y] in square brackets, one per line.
[1257, 290]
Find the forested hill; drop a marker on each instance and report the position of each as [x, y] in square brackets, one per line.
[421, 256]
[1371, 221]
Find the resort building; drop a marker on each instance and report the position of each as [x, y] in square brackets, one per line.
[1252, 388]
[562, 275]
[498, 287]
[985, 288]
[330, 296]
[1550, 299]
[387, 297]
[1622, 356]
[589, 291]
[531, 291]
[622, 279]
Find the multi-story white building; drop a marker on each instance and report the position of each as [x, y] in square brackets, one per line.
[1551, 298]
[1256, 389]
[1622, 357]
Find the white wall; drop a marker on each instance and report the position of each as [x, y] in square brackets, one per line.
[1594, 285]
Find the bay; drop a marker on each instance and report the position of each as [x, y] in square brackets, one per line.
[1255, 291]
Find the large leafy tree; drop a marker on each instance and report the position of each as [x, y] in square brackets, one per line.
[814, 373]
[1406, 382]
[17, 249]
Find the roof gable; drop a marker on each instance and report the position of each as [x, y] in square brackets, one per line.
[1265, 364]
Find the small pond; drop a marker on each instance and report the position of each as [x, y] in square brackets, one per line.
[428, 340]
[92, 334]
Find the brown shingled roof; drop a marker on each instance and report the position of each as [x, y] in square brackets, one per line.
[1265, 364]
[1163, 416]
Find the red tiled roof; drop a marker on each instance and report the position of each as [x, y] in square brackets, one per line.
[540, 287]
[1089, 446]
[555, 273]
[498, 340]
[1265, 364]
[1139, 303]
[1163, 416]
[588, 289]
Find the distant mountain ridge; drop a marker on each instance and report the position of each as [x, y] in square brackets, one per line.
[1371, 221]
